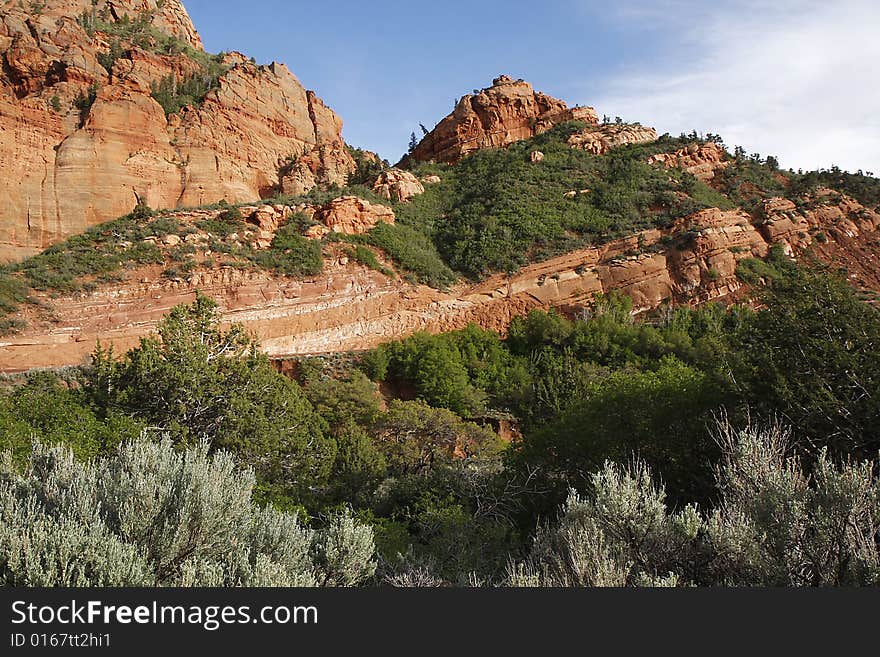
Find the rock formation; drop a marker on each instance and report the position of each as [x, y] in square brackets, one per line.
[80, 144]
[351, 307]
[351, 215]
[398, 185]
[702, 161]
[508, 111]
[598, 140]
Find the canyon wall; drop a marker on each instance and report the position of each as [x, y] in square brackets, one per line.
[81, 144]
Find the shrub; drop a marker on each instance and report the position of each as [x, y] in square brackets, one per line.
[367, 167]
[174, 94]
[72, 523]
[291, 254]
[13, 292]
[367, 258]
[813, 355]
[414, 252]
[45, 406]
[775, 525]
[228, 222]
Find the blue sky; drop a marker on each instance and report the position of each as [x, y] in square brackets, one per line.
[794, 78]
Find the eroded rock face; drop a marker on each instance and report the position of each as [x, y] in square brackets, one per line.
[398, 185]
[702, 161]
[65, 166]
[351, 215]
[796, 228]
[599, 140]
[507, 112]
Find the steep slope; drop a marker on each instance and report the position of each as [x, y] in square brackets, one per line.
[83, 138]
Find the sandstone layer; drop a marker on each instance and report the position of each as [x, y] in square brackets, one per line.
[350, 307]
[507, 112]
[67, 163]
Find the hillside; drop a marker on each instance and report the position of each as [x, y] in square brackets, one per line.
[513, 201]
[662, 220]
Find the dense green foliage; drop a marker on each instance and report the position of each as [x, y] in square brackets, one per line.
[194, 381]
[367, 166]
[291, 254]
[496, 210]
[418, 457]
[748, 181]
[865, 188]
[813, 357]
[46, 408]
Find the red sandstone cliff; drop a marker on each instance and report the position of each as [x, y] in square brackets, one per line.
[62, 170]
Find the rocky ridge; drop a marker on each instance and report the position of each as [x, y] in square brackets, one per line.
[702, 161]
[598, 140]
[507, 112]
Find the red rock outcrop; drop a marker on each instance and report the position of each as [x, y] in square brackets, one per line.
[507, 112]
[598, 140]
[702, 161]
[65, 165]
[398, 185]
[796, 228]
[351, 215]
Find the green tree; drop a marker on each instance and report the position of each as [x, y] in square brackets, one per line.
[417, 438]
[661, 416]
[434, 366]
[46, 408]
[813, 355]
[197, 381]
[352, 397]
[359, 465]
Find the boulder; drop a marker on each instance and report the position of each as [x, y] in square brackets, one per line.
[398, 185]
[598, 140]
[700, 160]
[351, 215]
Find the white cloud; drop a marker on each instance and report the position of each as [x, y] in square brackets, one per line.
[796, 79]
